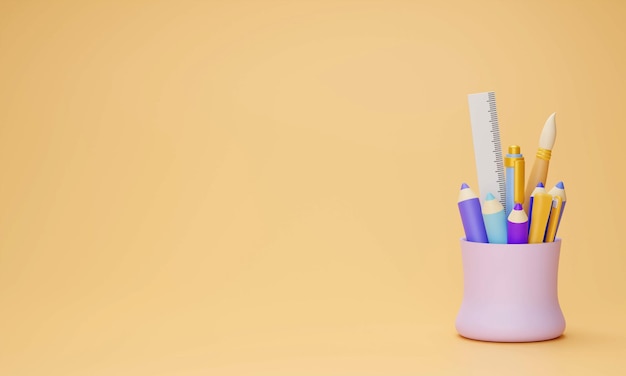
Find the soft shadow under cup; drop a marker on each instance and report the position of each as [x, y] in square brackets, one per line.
[510, 292]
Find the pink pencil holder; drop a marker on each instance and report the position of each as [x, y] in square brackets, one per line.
[510, 292]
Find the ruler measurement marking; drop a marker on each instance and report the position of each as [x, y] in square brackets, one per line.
[487, 147]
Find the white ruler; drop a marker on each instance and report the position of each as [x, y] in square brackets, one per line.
[487, 148]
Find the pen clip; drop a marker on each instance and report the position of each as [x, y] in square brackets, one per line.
[518, 173]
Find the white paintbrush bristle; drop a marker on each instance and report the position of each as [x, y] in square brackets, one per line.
[548, 134]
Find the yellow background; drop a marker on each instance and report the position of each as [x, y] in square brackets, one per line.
[269, 187]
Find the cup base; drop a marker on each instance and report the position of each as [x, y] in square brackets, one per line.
[489, 328]
[502, 341]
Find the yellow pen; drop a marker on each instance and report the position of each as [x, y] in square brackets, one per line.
[542, 202]
[555, 215]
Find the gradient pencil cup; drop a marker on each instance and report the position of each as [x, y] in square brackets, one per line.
[510, 292]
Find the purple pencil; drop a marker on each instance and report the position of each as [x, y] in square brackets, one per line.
[517, 226]
[472, 216]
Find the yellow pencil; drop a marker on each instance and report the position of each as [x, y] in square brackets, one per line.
[553, 222]
[542, 202]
